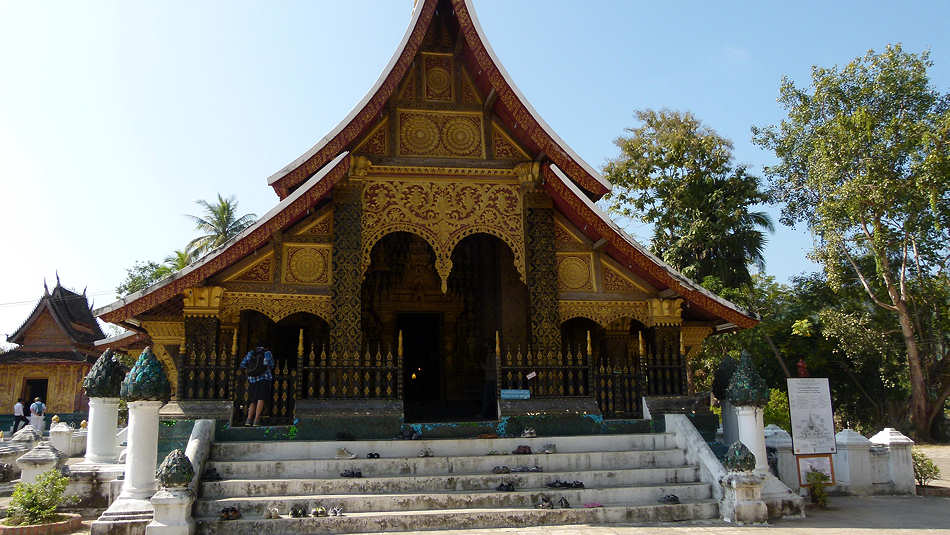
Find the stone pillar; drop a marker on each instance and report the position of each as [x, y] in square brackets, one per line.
[172, 512]
[899, 462]
[542, 277]
[852, 463]
[42, 458]
[346, 329]
[60, 435]
[778, 438]
[742, 498]
[142, 453]
[103, 426]
[751, 433]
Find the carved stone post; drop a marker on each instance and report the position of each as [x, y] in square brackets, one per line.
[346, 333]
[541, 273]
[102, 385]
[146, 389]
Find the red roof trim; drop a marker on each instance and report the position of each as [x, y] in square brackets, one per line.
[595, 225]
[243, 245]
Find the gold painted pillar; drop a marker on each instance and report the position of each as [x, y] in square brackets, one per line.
[541, 267]
[346, 332]
[202, 306]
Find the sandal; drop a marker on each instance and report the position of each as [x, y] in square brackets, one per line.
[501, 470]
[545, 503]
[522, 450]
[563, 503]
[319, 511]
[505, 487]
[351, 473]
[235, 514]
[373, 455]
[576, 485]
[425, 452]
[671, 499]
[298, 511]
[272, 513]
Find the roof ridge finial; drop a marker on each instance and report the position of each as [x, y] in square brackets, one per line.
[45, 287]
[57, 278]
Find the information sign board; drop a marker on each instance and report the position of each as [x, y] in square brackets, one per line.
[813, 426]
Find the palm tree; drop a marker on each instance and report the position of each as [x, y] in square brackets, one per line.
[179, 259]
[219, 224]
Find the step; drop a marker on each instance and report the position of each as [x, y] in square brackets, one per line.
[524, 498]
[456, 482]
[462, 519]
[290, 450]
[434, 466]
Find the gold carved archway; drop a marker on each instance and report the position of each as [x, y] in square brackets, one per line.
[443, 213]
[604, 313]
[274, 306]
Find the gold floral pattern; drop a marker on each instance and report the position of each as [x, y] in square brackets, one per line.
[447, 134]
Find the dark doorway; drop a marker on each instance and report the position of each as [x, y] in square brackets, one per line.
[422, 374]
[34, 388]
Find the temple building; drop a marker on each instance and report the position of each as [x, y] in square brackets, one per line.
[442, 242]
[55, 349]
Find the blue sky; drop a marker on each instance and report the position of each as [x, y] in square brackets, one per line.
[116, 116]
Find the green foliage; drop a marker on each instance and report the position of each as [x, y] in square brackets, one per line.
[925, 470]
[179, 259]
[679, 176]
[776, 410]
[817, 481]
[219, 223]
[863, 161]
[140, 276]
[36, 503]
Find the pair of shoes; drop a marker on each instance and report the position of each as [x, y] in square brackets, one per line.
[272, 513]
[549, 449]
[351, 473]
[343, 453]
[671, 499]
[545, 503]
[298, 511]
[248, 424]
[522, 450]
[425, 452]
[337, 511]
[501, 470]
[528, 433]
[319, 511]
[493, 452]
[527, 469]
[563, 503]
[558, 484]
[229, 513]
[506, 487]
[211, 474]
[373, 455]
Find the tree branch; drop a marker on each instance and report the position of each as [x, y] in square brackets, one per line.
[864, 283]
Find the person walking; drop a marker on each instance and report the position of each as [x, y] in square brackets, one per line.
[260, 382]
[37, 414]
[18, 415]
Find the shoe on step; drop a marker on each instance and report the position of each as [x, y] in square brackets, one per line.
[563, 503]
[545, 503]
[549, 448]
[501, 470]
[319, 511]
[343, 453]
[670, 499]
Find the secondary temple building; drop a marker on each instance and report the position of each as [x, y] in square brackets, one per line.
[439, 245]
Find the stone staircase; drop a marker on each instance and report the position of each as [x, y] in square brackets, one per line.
[453, 489]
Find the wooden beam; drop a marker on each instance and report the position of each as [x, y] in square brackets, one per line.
[490, 99]
[600, 243]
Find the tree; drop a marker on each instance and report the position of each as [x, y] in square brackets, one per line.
[179, 259]
[679, 175]
[863, 162]
[140, 276]
[219, 224]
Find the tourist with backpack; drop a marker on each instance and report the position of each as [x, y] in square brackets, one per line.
[260, 382]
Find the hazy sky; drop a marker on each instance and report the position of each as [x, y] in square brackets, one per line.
[116, 116]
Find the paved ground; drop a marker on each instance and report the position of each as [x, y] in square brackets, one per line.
[941, 457]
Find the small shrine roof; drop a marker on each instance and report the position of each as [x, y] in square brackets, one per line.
[70, 311]
[17, 356]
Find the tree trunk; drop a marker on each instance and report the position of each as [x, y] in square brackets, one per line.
[778, 356]
[918, 386]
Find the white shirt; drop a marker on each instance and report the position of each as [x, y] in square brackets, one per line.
[18, 409]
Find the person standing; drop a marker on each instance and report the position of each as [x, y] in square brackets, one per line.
[260, 382]
[18, 415]
[37, 414]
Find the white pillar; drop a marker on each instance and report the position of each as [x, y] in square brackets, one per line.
[899, 461]
[142, 456]
[101, 430]
[778, 438]
[852, 463]
[172, 512]
[59, 436]
[752, 434]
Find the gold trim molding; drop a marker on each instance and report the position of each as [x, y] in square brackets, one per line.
[275, 306]
[666, 312]
[202, 300]
[604, 312]
[692, 337]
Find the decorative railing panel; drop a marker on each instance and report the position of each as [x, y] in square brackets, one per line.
[207, 376]
[349, 376]
[556, 374]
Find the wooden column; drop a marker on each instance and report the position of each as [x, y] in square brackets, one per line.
[541, 274]
[346, 333]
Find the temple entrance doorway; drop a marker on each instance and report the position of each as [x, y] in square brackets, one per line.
[448, 337]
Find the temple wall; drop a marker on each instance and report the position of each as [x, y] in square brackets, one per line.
[63, 389]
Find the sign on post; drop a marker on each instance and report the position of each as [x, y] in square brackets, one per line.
[813, 425]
